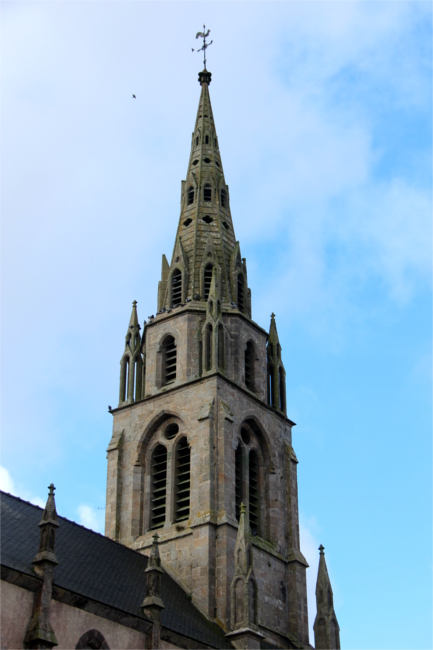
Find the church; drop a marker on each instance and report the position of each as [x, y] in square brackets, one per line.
[201, 545]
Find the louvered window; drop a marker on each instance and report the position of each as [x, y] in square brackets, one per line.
[207, 280]
[223, 198]
[176, 287]
[249, 366]
[190, 195]
[238, 481]
[183, 467]
[241, 298]
[196, 141]
[254, 492]
[169, 360]
[207, 192]
[159, 486]
[208, 347]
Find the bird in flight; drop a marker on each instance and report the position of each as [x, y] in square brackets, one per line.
[134, 96]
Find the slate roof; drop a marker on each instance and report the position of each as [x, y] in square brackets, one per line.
[98, 568]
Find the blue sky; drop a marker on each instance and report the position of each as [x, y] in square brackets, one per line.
[323, 112]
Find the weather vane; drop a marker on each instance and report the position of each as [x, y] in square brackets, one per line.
[204, 34]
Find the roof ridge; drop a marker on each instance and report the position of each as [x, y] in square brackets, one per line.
[114, 541]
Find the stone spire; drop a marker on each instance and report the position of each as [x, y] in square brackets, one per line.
[276, 371]
[326, 628]
[39, 633]
[152, 604]
[131, 363]
[205, 231]
[243, 591]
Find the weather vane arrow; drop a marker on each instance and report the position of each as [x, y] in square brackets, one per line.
[204, 34]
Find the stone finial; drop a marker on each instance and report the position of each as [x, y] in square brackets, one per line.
[326, 628]
[153, 574]
[40, 633]
[48, 525]
[152, 604]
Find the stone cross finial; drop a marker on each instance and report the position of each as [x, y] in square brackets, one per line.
[40, 633]
[321, 549]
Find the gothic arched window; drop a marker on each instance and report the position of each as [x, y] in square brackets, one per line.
[241, 295]
[176, 287]
[207, 280]
[249, 365]
[92, 639]
[207, 192]
[183, 480]
[207, 139]
[254, 492]
[169, 360]
[190, 195]
[159, 487]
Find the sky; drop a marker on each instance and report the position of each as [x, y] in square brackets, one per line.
[324, 115]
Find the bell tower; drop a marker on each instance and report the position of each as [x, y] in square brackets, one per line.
[201, 450]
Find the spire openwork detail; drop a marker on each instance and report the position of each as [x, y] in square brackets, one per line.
[205, 225]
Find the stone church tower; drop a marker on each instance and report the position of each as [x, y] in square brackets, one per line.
[201, 451]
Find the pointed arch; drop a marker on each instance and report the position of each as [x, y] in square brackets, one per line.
[190, 195]
[92, 639]
[239, 479]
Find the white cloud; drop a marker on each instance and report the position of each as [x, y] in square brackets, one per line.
[6, 482]
[91, 518]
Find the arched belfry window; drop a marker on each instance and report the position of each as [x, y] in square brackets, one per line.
[169, 360]
[183, 480]
[254, 493]
[223, 198]
[238, 480]
[207, 192]
[159, 487]
[207, 139]
[241, 292]
[249, 365]
[207, 280]
[190, 195]
[208, 347]
[176, 287]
